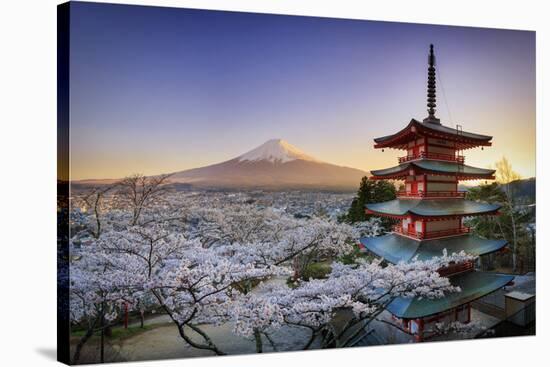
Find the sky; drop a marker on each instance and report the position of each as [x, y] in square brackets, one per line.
[157, 90]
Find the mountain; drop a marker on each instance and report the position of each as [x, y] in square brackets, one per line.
[276, 164]
[525, 189]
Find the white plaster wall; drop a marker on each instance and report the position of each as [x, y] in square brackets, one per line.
[413, 327]
[463, 315]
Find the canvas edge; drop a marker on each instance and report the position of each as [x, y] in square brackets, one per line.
[63, 121]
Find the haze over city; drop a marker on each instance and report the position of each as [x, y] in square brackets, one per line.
[157, 90]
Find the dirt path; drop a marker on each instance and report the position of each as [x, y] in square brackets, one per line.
[165, 342]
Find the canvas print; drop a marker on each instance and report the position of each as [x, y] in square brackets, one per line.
[234, 183]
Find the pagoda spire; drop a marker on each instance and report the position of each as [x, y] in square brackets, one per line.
[431, 89]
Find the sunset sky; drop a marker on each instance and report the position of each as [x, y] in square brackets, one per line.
[158, 90]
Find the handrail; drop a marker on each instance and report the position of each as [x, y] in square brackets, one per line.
[432, 194]
[456, 268]
[431, 234]
[431, 155]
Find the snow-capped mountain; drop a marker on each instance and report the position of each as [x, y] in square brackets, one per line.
[276, 164]
[275, 150]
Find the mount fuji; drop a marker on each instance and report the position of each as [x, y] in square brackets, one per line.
[276, 164]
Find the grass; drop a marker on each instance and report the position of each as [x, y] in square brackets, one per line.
[122, 333]
[352, 257]
[316, 271]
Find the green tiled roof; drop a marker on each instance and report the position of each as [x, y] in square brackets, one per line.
[453, 131]
[432, 207]
[436, 166]
[439, 128]
[395, 248]
[473, 284]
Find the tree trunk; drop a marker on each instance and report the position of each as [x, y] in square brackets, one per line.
[515, 240]
[102, 342]
[258, 337]
[80, 345]
[141, 319]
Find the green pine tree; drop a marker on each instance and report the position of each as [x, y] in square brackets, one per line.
[511, 225]
[370, 191]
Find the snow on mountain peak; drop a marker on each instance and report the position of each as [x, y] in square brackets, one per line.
[276, 150]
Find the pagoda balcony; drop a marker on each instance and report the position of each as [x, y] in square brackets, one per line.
[456, 268]
[437, 156]
[431, 194]
[431, 234]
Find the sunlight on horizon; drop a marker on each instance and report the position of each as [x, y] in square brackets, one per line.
[207, 90]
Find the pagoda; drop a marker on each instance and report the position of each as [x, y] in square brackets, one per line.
[430, 211]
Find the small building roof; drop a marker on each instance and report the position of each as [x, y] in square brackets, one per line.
[436, 167]
[431, 207]
[463, 139]
[396, 248]
[520, 296]
[473, 285]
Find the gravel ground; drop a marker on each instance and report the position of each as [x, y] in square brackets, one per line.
[165, 342]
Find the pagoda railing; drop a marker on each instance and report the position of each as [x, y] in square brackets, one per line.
[456, 268]
[431, 234]
[432, 194]
[430, 155]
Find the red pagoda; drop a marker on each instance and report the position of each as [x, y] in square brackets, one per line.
[431, 212]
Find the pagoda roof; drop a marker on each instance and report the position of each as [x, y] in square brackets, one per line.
[433, 167]
[463, 139]
[473, 285]
[431, 207]
[396, 248]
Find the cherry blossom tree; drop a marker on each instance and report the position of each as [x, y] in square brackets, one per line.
[97, 291]
[200, 259]
[94, 201]
[138, 192]
[365, 290]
